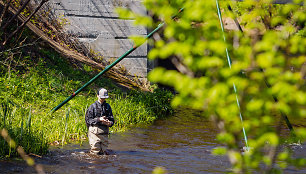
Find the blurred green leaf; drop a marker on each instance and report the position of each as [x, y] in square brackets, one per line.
[219, 151]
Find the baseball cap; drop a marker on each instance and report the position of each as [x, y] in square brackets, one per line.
[102, 93]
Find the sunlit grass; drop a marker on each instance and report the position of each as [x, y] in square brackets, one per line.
[27, 97]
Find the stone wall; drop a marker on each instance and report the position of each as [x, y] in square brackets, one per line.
[96, 23]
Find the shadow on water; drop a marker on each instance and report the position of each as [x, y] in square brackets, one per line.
[181, 144]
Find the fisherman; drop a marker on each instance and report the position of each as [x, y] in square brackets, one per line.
[99, 118]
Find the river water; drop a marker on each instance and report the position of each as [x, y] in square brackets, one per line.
[180, 144]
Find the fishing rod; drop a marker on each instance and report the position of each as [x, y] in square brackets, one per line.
[230, 66]
[111, 65]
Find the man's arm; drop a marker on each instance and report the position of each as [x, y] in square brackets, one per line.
[110, 115]
[90, 116]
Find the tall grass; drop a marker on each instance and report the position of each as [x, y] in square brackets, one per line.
[13, 121]
[28, 94]
[137, 108]
[66, 125]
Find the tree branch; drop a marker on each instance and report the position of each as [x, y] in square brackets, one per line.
[181, 67]
[4, 11]
[16, 14]
[25, 22]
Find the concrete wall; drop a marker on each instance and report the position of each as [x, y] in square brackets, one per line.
[95, 22]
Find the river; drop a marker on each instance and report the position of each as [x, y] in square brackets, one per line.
[180, 144]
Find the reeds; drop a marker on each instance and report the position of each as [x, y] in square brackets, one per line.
[66, 125]
[27, 138]
[35, 131]
[26, 100]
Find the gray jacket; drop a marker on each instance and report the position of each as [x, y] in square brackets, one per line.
[97, 110]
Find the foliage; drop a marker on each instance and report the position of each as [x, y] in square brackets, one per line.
[36, 80]
[270, 51]
[32, 140]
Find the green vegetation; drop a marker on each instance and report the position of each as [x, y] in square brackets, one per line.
[270, 50]
[34, 80]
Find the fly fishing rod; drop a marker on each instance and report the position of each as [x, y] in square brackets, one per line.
[111, 65]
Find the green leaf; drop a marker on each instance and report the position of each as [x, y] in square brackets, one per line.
[219, 151]
[225, 138]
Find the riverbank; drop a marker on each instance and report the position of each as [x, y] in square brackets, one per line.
[182, 143]
[34, 84]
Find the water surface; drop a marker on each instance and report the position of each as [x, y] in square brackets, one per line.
[181, 144]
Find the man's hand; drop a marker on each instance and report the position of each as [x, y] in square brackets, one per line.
[105, 121]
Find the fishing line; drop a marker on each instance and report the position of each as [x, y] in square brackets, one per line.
[230, 66]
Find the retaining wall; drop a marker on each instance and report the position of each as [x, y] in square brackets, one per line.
[96, 23]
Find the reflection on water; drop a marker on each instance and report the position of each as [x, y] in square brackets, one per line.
[181, 144]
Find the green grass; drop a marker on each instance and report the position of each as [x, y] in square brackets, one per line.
[35, 84]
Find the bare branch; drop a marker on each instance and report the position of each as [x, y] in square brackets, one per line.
[4, 11]
[25, 22]
[181, 67]
[16, 14]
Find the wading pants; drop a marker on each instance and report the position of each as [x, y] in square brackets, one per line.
[98, 140]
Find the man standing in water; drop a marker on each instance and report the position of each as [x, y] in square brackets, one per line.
[99, 118]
